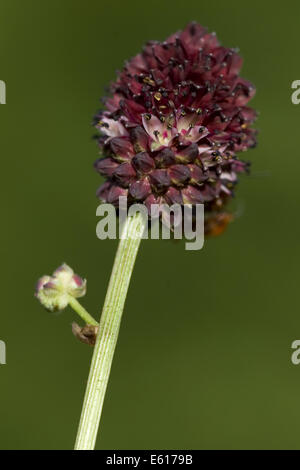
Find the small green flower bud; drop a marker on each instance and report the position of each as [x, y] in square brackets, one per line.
[54, 291]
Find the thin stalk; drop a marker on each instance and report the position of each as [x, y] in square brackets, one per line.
[82, 312]
[108, 331]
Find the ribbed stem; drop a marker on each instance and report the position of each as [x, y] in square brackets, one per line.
[82, 312]
[108, 332]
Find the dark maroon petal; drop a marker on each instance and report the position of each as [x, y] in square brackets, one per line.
[160, 179]
[136, 65]
[139, 138]
[179, 174]
[103, 190]
[209, 193]
[106, 166]
[173, 196]
[143, 163]
[248, 114]
[151, 200]
[165, 158]
[115, 193]
[122, 148]
[187, 154]
[196, 173]
[125, 174]
[243, 91]
[239, 166]
[234, 63]
[192, 195]
[131, 109]
[140, 189]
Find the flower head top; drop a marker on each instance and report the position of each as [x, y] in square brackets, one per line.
[54, 291]
[176, 118]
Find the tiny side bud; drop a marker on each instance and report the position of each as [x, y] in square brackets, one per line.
[86, 334]
[54, 291]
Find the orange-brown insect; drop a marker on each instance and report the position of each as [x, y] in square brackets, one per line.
[217, 223]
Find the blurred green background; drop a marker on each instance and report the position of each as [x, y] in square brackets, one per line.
[203, 358]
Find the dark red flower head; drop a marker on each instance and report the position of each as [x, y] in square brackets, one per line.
[174, 122]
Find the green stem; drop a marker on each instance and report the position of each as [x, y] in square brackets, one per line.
[108, 332]
[89, 320]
